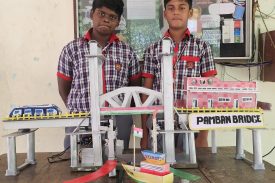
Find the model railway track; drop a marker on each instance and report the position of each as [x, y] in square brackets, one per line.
[215, 110]
[49, 116]
[123, 111]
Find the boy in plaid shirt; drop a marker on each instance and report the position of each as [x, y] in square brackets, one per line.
[120, 66]
[192, 58]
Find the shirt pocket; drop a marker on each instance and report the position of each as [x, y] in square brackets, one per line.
[118, 72]
[190, 65]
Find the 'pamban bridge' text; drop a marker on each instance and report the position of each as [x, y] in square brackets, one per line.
[228, 119]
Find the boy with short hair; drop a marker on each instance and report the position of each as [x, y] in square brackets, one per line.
[192, 58]
[120, 67]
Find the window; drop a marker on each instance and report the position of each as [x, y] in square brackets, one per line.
[28, 111]
[194, 103]
[236, 103]
[210, 103]
[247, 99]
[224, 99]
[38, 112]
[17, 112]
[51, 111]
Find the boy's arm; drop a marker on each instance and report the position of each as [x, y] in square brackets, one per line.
[148, 83]
[64, 88]
[64, 74]
[208, 68]
[135, 82]
[134, 70]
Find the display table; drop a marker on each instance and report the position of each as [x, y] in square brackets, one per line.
[220, 167]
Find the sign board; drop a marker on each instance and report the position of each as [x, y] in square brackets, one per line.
[208, 121]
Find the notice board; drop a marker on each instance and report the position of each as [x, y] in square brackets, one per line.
[226, 25]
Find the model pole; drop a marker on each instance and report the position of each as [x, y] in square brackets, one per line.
[168, 98]
[95, 69]
[134, 140]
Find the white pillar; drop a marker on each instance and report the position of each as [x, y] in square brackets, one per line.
[239, 145]
[213, 141]
[31, 148]
[11, 156]
[168, 99]
[74, 150]
[257, 151]
[193, 157]
[95, 69]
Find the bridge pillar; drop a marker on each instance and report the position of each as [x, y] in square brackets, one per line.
[168, 99]
[95, 76]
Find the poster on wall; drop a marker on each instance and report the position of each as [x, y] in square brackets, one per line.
[207, 22]
[140, 9]
[137, 29]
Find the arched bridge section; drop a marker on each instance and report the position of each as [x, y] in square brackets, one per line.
[122, 97]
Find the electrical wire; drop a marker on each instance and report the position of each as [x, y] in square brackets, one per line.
[57, 157]
[230, 64]
[250, 62]
[266, 15]
[270, 37]
[269, 152]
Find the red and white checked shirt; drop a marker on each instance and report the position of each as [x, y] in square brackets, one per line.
[120, 66]
[192, 58]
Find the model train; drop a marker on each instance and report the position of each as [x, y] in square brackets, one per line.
[35, 110]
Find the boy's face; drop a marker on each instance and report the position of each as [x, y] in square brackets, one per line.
[104, 20]
[177, 13]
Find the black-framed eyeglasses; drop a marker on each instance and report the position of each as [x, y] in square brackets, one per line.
[103, 14]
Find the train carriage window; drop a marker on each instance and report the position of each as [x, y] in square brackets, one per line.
[17, 112]
[28, 111]
[51, 111]
[38, 112]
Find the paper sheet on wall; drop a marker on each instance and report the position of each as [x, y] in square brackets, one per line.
[232, 31]
[141, 9]
[210, 21]
[212, 36]
[221, 8]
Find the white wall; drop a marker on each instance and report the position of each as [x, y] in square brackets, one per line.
[32, 35]
[266, 92]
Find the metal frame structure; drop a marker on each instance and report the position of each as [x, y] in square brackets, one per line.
[257, 162]
[119, 107]
[11, 154]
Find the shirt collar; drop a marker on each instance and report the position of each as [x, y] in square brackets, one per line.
[88, 36]
[186, 34]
